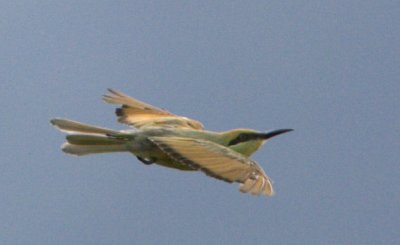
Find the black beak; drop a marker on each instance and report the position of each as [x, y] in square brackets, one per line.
[274, 133]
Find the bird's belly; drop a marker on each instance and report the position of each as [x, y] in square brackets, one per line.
[149, 151]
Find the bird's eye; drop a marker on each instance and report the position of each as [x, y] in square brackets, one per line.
[242, 137]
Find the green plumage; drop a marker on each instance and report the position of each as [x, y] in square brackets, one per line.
[173, 141]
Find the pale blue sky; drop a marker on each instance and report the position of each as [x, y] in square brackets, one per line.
[328, 69]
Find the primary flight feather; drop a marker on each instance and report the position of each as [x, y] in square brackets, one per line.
[173, 141]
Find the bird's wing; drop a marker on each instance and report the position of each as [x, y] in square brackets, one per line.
[139, 114]
[217, 161]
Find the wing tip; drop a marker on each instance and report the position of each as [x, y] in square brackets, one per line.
[113, 96]
[109, 97]
[260, 185]
[113, 91]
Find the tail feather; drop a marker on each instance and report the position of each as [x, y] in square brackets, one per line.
[84, 139]
[80, 150]
[69, 126]
[90, 139]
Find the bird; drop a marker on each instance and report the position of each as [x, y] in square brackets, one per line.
[157, 136]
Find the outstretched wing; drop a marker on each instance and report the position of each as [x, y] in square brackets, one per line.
[139, 114]
[217, 161]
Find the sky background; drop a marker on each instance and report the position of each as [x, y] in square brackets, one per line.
[328, 69]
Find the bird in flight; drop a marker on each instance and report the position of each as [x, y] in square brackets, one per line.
[160, 137]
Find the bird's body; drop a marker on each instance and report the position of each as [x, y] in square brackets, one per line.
[173, 141]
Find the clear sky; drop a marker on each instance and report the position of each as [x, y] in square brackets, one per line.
[328, 69]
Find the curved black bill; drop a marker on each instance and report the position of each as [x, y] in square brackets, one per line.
[274, 133]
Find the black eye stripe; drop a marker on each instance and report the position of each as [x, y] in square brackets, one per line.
[242, 138]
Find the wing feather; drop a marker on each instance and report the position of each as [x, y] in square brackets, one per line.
[217, 161]
[140, 114]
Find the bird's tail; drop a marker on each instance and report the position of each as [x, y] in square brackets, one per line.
[84, 139]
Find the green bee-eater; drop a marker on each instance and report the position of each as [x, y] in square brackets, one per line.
[173, 141]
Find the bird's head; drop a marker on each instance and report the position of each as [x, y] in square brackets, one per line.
[247, 141]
